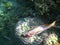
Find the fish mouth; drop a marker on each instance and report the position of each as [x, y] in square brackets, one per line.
[22, 35]
[25, 36]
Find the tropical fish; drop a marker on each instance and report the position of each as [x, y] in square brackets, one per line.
[39, 29]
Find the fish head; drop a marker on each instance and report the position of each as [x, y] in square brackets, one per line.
[25, 35]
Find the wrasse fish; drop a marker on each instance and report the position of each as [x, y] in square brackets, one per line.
[38, 29]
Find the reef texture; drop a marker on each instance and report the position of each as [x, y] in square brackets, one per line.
[45, 38]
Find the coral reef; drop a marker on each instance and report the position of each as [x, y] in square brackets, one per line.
[45, 38]
[13, 11]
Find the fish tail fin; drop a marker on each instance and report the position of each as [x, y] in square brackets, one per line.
[53, 23]
[57, 24]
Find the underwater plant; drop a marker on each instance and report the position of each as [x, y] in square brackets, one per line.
[8, 5]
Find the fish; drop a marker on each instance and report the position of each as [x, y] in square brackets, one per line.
[38, 29]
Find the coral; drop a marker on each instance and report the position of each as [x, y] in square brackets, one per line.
[52, 39]
[25, 25]
[13, 11]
